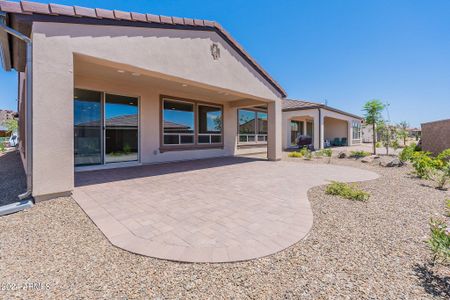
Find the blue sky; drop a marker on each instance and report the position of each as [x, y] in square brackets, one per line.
[345, 52]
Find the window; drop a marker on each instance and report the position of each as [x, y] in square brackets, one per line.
[178, 120]
[188, 123]
[252, 126]
[356, 130]
[209, 124]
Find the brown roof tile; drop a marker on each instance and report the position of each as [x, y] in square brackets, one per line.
[153, 18]
[85, 12]
[138, 17]
[177, 20]
[166, 19]
[188, 21]
[34, 7]
[28, 7]
[291, 104]
[199, 22]
[122, 15]
[59, 9]
[11, 7]
[104, 13]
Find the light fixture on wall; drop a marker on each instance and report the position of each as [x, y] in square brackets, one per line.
[120, 71]
[184, 85]
[136, 74]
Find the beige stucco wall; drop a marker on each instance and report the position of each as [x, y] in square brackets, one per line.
[436, 136]
[166, 53]
[335, 128]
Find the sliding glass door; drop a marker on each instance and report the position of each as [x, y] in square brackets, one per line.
[106, 128]
[88, 135]
[121, 128]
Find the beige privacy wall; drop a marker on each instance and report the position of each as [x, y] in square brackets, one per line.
[436, 136]
[168, 53]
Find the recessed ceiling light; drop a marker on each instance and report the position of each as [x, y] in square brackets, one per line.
[135, 74]
[184, 85]
[121, 71]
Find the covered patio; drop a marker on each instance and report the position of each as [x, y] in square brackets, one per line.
[185, 211]
[320, 125]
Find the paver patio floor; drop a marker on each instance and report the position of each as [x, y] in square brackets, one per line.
[212, 210]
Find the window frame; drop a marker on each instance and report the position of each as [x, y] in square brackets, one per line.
[180, 147]
[256, 134]
[356, 125]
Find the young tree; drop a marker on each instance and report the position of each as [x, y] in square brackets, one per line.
[372, 113]
[403, 131]
[11, 125]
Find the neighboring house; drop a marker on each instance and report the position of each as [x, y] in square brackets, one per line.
[179, 84]
[436, 136]
[4, 116]
[414, 132]
[322, 123]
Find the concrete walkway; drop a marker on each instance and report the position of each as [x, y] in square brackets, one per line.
[214, 210]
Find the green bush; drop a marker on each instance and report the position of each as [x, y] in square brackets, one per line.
[444, 156]
[324, 152]
[423, 163]
[359, 154]
[2, 147]
[395, 145]
[296, 154]
[439, 176]
[407, 153]
[447, 208]
[439, 241]
[378, 144]
[346, 191]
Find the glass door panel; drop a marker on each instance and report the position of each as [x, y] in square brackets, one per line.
[87, 127]
[121, 128]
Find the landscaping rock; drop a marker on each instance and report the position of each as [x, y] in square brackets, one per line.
[392, 162]
[367, 159]
[342, 154]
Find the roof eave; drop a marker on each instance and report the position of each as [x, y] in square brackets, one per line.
[5, 55]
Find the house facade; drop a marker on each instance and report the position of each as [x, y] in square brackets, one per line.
[113, 88]
[326, 126]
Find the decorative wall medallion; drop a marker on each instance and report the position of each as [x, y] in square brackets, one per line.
[215, 51]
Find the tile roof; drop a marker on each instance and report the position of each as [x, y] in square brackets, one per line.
[291, 105]
[27, 7]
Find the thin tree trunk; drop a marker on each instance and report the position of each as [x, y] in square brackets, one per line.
[374, 140]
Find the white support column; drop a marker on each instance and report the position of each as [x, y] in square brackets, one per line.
[274, 147]
[350, 133]
[304, 127]
[322, 129]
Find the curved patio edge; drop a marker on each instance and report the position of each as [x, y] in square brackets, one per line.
[293, 229]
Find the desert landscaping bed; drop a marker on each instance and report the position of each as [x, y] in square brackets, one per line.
[356, 250]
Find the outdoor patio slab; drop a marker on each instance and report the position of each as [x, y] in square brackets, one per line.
[212, 210]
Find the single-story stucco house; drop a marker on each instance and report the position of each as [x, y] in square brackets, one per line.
[324, 124]
[105, 88]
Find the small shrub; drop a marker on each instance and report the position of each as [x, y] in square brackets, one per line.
[395, 145]
[444, 156]
[439, 176]
[346, 191]
[307, 154]
[2, 147]
[407, 153]
[325, 153]
[378, 145]
[423, 162]
[295, 154]
[439, 241]
[359, 154]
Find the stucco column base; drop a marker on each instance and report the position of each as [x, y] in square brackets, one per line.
[274, 151]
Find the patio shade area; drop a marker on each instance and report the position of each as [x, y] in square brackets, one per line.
[212, 210]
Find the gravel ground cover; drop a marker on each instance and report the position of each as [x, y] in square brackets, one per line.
[12, 177]
[356, 250]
